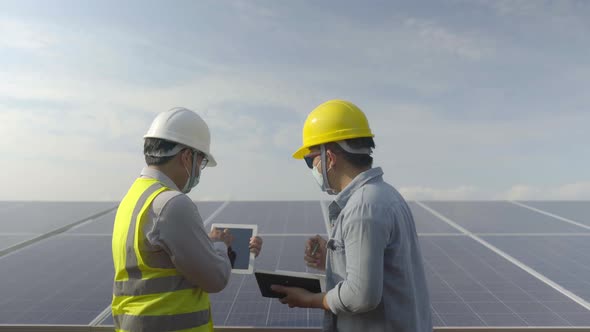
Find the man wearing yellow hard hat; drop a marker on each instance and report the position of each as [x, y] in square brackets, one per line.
[374, 273]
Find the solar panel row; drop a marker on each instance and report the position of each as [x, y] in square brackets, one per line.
[67, 279]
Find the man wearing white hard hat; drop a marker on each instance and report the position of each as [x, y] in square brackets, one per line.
[165, 261]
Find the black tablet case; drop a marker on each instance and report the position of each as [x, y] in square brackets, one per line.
[266, 280]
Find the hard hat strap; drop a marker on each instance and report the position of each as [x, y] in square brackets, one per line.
[326, 184]
[346, 147]
[172, 152]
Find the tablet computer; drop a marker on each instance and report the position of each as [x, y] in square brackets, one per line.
[240, 256]
[265, 279]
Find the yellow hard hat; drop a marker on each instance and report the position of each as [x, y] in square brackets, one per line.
[332, 121]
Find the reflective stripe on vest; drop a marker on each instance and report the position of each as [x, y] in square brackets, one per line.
[146, 298]
[159, 323]
[150, 286]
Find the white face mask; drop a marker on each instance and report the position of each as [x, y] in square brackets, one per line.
[191, 182]
[318, 177]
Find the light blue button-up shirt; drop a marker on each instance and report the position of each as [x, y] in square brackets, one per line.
[374, 269]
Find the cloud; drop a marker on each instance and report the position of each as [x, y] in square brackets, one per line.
[569, 17]
[253, 13]
[569, 191]
[428, 85]
[17, 34]
[520, 192]
[435, 37]
[525, 8]
[426, 193]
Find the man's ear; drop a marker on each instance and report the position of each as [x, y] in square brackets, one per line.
[184, 156]
[333, 158]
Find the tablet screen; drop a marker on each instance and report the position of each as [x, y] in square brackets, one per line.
[239, 252]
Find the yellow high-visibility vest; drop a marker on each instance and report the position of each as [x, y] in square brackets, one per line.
[147, 298]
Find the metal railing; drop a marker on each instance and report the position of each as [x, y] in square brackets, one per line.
[86, 328]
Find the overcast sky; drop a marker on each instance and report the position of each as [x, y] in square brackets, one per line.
[468, 99]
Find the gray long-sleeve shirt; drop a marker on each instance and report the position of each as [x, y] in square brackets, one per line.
[176, 238]
[374, 269]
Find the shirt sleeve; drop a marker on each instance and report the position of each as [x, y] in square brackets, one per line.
[181, 233]
[365, 239]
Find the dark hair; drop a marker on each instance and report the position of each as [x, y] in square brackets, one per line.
[357, 160]
[154, 146]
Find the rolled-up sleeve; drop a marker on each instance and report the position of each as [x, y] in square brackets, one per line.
[365, 238]
[180, 232]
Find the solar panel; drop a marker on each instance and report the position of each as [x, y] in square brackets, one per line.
[563, 259]
[108, 321]
[576, 210]
[276, 217]
[470, 285]
[71, 273]
[206, 209]
[104, 224]
[64, 279]
[7, 241]
[427, 223]
[100, 225]
[497, 293]
[241, 303]
[500, 217]
[6, 205]
[42, 217]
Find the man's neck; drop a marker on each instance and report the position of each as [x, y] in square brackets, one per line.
[168, 172]
[348, 175]
[162, 169]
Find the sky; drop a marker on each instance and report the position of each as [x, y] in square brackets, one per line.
[469, 100]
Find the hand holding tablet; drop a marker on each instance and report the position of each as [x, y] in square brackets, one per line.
[220, 234]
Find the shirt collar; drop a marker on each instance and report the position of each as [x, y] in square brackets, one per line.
[359, 181]
[149, 172]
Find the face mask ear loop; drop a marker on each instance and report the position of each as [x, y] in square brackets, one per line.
[194, 170]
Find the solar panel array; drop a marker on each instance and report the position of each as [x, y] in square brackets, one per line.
[488, 263]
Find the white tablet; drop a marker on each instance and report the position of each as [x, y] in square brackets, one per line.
[240, 256]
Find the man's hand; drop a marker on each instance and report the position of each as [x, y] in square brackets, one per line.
[231, 254]
[315, 252]
[224, 236]
[256, 245]
[300, 298]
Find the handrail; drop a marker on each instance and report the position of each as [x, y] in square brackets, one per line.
[87, 328]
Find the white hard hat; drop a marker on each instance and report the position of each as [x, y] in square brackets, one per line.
[181, 125]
